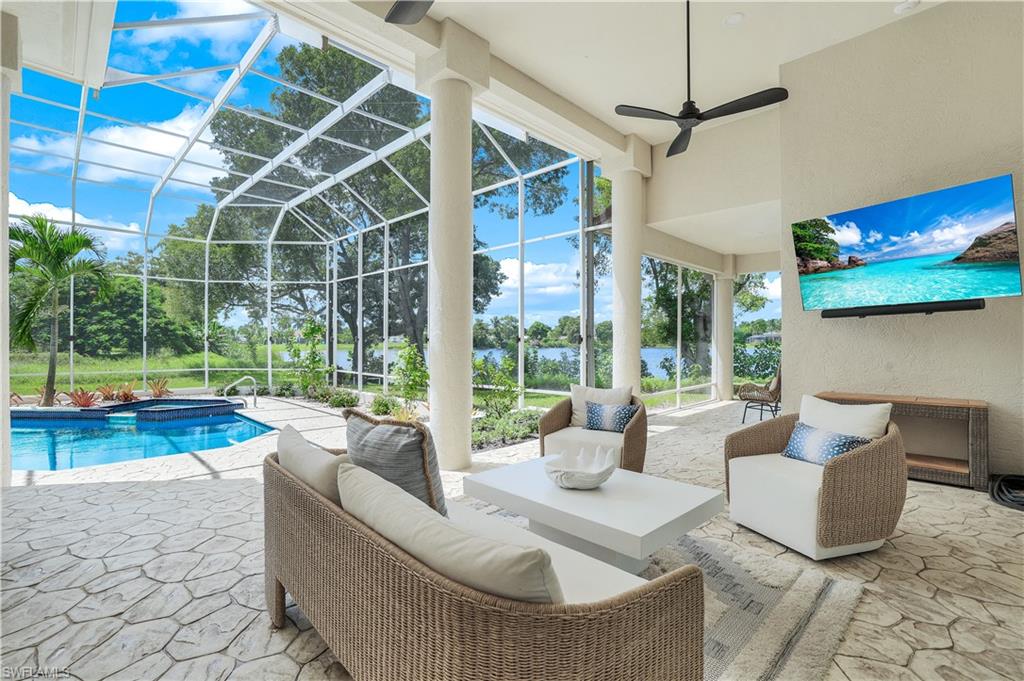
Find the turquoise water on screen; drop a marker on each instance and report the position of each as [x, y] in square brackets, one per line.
[50, 445]
[924, 279]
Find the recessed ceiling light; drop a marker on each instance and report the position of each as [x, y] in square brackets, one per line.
[734, 19]
[906, 6]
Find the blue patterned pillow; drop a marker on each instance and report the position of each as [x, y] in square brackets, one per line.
[817, 445]
[612, 417]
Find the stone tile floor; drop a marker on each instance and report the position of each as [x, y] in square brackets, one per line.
[153, 569]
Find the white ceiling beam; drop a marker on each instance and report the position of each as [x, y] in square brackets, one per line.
[266, 34]
[363, 163]
[187, 21]
[324, 124]
[117, 77]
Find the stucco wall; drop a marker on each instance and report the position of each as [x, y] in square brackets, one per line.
[930, 101]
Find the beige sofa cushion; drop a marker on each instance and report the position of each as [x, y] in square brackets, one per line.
[517, 572]
[313, 465]
[581, 394]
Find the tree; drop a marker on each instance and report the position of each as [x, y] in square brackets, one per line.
[813, 240]
[338, 75]
[48, 256]
[538, 332]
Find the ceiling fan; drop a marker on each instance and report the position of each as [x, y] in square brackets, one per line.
[408, 11]
[689, 117]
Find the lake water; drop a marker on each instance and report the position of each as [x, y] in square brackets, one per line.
[909, 280]
[652, 356]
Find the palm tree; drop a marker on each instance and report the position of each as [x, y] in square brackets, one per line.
[48, 257]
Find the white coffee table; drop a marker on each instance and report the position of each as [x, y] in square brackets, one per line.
[622, 522]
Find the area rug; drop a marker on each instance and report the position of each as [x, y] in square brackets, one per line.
[764, 618]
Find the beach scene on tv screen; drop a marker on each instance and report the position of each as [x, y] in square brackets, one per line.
[952, 244]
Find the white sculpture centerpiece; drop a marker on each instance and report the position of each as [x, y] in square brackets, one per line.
[587, 469]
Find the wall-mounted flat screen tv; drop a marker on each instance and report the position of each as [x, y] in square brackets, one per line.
[953, 244]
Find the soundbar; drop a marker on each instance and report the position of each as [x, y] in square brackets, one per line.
[909, 308]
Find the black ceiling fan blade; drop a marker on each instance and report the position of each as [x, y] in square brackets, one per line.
[642, 112]
[680, 143]
[772, 95]
[408, 11]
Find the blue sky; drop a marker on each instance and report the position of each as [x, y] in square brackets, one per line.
[942, 221]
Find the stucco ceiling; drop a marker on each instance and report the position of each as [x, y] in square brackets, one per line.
[634, 52]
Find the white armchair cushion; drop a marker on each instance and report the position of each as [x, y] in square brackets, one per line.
[778, 497]
[862, 420]
[581, 394]
[574, 438]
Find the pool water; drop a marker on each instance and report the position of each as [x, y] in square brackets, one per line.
[50, 445]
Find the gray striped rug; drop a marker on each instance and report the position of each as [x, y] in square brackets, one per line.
[764, 619]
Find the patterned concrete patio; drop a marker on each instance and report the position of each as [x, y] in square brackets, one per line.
[153, 569]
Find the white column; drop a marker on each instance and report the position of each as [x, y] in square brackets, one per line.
[10, 80]
[723, 335]
[627, 249]
[627, 172]
[450, 76]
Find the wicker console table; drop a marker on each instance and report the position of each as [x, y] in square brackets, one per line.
[970, 473]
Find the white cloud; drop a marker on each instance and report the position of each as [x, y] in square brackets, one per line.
[134, 138]
[953, 235]
[773, 288]
[847, 234]
[114, 241]
[873, 236]
[545, 279]
[228, 40]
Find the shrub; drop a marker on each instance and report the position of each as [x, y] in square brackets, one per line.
[83, 398]
[502, 392]
[505, 428]
[284, 390]
[107, 392]
[262, 389]
[384, 405]
[225, 391]
[411, 378]
[305, 354]
[343, 398]
[320, 393]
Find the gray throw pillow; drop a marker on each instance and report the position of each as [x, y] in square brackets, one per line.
[401, 452]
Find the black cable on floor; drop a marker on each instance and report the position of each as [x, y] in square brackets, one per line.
[1007, 490]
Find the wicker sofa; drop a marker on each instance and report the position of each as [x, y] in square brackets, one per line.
[633, 441]
[849, 505]
[388, 617]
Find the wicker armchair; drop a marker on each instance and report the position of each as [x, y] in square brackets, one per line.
[634, 438]
[388, 617]
[859, 495]
[762, 397]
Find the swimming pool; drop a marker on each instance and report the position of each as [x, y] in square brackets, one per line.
[57, 444]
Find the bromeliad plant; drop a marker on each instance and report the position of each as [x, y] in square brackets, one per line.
[107, 392]
[126, 392]
[158, 387]
[48, 256]
[80, 397]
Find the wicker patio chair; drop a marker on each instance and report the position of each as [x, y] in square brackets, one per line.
[763, 398]
[859, 495]
[633, 439]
